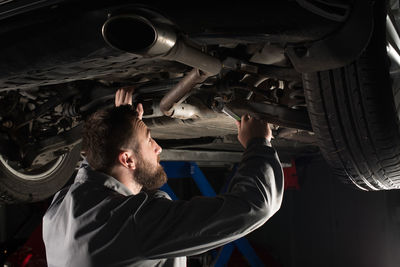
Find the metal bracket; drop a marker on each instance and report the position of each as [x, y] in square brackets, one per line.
[338, 49]
[279, 115]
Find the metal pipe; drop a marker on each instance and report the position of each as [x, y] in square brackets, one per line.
[193, 57]
[179, 91]
[138, 35]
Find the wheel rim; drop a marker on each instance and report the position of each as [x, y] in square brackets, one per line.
[392, 37]
[393, 49]
[48, 170]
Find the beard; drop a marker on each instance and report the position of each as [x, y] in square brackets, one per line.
[149, 176]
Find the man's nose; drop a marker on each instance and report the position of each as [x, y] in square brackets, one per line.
[158, 149]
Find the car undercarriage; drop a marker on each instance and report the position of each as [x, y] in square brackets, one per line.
[193, 70]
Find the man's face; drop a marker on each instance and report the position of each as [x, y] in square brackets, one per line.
[148, 173]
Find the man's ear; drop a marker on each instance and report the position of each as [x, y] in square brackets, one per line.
[127, 159]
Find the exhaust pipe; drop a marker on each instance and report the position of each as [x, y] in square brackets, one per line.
[138, 35]
[178, 93]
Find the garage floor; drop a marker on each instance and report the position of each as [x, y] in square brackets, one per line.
[325, 223]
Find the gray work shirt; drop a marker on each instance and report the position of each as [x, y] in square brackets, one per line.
[97, 221]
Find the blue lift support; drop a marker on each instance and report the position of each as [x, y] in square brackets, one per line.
[183, 169]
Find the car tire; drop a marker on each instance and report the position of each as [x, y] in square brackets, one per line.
[354, 112]
[20, 186]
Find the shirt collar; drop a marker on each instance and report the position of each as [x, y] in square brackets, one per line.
[86, 173]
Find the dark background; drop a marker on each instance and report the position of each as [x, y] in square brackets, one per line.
[327, 223]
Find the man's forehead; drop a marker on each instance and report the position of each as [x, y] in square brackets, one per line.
[141, 127]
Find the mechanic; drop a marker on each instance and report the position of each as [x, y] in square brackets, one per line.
[113, 214]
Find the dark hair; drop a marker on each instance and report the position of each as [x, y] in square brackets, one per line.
[105, 132]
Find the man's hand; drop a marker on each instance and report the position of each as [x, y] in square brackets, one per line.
[249, 128]
[123, 96]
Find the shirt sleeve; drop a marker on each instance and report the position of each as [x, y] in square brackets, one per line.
[167, 228]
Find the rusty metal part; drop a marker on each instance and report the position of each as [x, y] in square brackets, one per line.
[156, 40]
[177, 94]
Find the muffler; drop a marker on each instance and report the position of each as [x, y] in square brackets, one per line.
[138, 35]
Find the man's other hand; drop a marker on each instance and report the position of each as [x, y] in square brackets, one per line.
[249, 128]
[123, 96]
